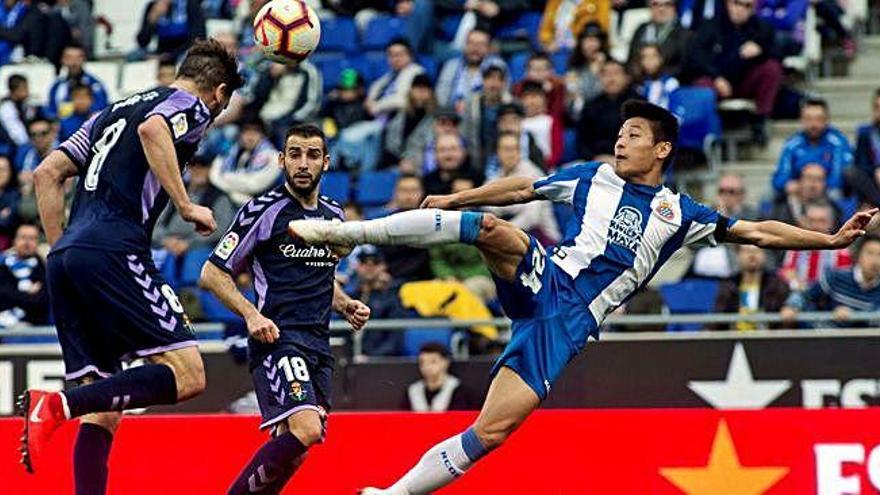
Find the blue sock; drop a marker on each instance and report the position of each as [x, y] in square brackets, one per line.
[270, 467]
[90, 455]
[472, 446]
[469, 228]
[148, 385]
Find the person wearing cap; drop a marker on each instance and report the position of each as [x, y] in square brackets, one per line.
[481, 115]
[437, 390]
[345, 104]
[409, 131]
[665, 31]
[376, 288]
[510, 119]
[288, 95]
[462, 77]
[248, 168]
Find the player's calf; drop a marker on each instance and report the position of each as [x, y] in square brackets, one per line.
[188, 368]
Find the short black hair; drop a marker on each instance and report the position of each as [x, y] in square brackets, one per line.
[77, 88]
[495, 70]
[434, 348]
[306, 131]
[401, 41]
[15, 81]
[253, 121]
[39, 118]
[481, 30]
[209, 64]
[532, 87]
[664, 125]
[614, 61]
[505, 134]
[815, 101]
[167, 62]
[538, 56]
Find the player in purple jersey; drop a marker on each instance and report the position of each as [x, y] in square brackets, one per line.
[288, 345]
[109, 301]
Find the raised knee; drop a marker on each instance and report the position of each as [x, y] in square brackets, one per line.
[308, 434]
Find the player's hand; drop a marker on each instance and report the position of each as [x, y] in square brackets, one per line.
[854, 228]
[262, 329]
[356, 314]
[201, 217]
[442, 202]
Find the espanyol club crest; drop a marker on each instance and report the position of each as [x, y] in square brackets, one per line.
[664, 209]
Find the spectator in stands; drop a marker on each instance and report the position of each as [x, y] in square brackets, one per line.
[81, 97]
[11, 16]
[23, 295]
[60, 105]
[734, 54]
[787, 18]
[437, 391]
[451, 164]
[378, 289]
[33, 25]
[10, 197]
[345, 103]
[411, 131]
[694, 14]
[656, 84]
[15, 111]
[600, 118]
[360, 145]
[801, 269]
[564, 21]
[462, 77]
[79, 16]
[817, 142]
[175, 235]
[864, 177]
[510, 119]
[166, 72]
[43, 139]
[754, 289]
[832, 30]
[175, 23]
[407, 263]
[540, 71]
[287, 95]
[547, 128]
[582, 81]
[720, 261]
[664, 31]
[481, 115]
[843, 291]
[250, 167]
[491, 14]
[809, 188]
[535, 218]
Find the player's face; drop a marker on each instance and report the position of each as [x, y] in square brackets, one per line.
[303, 162]
[869, 259]
[635, 153]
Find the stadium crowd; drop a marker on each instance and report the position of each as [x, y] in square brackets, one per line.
[435, 96]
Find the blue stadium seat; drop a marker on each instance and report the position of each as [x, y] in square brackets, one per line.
[193, 261]
[517, 66]
[570, 150]
[415, 338]
[330, 65]
[336, 185]
[430, 65]
[690, 296]
[697, 112]
[380, 31]
[526, 25]
[376, 188]
[340, 35]
[377, 64]
[448, 27]
[560, 61]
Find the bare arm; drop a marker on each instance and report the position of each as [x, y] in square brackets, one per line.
[49, 178]
[503, 192]
[159, 149]
[356, 312]
[778, 235]
[223, 287]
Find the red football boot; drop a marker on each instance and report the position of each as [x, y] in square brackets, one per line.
[43, 413]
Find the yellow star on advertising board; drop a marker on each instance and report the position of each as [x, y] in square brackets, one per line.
[724, 475]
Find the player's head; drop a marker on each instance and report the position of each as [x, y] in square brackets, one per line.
[646, 140]
[433, 361]
[304, 158]
[214, 71]
[868, 259]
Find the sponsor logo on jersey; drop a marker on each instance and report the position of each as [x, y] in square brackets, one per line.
[626, 228]
[226, 246]
[312, 255]
[179, 125]
[664, 209]
[152, 95]
[296, 391]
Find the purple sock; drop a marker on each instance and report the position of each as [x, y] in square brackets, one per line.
[270, 467]
[148, 385]
[90, 455]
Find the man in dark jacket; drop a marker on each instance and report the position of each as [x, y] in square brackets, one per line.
[23, 280]
[600, 118]
[753, 290]
[665, 31]
[176, 23]
[734, 54]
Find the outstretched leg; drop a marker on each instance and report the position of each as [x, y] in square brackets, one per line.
[509, 402]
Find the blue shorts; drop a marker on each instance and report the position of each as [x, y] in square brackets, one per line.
[112, 306]
[291, 379]
[551, 322]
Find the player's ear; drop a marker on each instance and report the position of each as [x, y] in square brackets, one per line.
[663, 149]
[220, 93]
[281, 160]
[326, 166]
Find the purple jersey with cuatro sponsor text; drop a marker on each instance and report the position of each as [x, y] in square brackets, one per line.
[293, 280]
[118, 197]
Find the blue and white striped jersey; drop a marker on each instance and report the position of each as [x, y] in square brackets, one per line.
[622, 233]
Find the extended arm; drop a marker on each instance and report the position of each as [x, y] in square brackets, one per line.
[49, 180]
[220, 283]
[778, 235]
[503, 192]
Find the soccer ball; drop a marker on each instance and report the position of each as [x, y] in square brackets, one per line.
[287, 31]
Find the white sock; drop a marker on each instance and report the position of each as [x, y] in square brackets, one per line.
[441, 465]
[413, 228]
